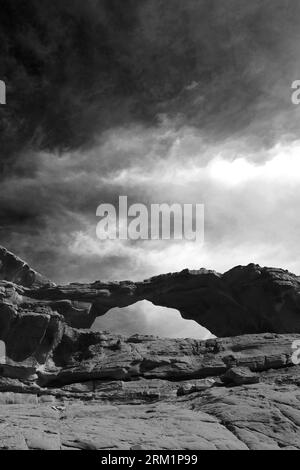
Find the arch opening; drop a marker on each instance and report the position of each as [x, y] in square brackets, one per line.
[146, 318]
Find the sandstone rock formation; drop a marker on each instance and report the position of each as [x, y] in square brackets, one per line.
[246, 299]
[15, 270]
[63, 386]
[104, 391]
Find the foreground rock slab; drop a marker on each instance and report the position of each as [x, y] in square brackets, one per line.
[96, 426]
[260, 416]
[119, 393]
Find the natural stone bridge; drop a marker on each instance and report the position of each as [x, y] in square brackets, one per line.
[246, 299]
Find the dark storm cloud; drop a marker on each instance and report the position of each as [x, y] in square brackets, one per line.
[74, 68]
[99, 93]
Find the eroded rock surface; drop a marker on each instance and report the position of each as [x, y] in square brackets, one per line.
[65, 387]
[246, 299]
[16, 270]
[118, 393]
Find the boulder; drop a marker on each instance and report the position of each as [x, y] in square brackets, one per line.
[240, 376]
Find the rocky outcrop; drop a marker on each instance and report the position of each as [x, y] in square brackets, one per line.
[246, 299]
[103, 391]
[16, 270]
[63, 386]
[83, 355]
[35, 313]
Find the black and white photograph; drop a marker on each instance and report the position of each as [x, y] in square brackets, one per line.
[149, 228]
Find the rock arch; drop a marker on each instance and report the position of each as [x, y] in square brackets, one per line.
[246, 299]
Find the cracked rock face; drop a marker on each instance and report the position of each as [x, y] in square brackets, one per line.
[246, 299]
[64, 386]
[16, 270]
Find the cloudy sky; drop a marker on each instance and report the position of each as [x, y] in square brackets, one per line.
[163, 101]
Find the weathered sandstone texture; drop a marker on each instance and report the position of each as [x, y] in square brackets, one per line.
[246, 299]
[63, 386]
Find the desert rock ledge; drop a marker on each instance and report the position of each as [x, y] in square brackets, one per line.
[246, 299]
[64, 386]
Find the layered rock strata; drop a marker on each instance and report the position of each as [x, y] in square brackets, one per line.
[64, 386]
